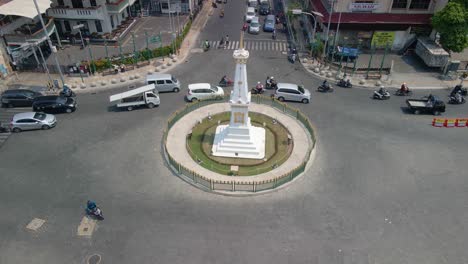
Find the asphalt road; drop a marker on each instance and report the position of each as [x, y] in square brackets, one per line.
[385, 187]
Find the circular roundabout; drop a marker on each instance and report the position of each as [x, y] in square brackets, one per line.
[190, 136]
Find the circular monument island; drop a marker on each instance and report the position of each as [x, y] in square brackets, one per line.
[241, 144]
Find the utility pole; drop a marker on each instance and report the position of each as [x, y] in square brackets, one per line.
[328, 30]
[52, 47]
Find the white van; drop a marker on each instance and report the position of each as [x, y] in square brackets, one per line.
[164, 82]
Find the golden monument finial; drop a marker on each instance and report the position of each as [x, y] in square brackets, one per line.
[241, 40]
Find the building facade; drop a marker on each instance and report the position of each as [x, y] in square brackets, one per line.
[376, 23]
[169, 6]
[96, 16]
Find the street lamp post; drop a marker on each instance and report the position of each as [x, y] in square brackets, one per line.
[52, 47]
[312, 14]
[328, 29]
[81, 36]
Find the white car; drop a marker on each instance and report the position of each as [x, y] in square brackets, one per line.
[249, 14]
[203, 91]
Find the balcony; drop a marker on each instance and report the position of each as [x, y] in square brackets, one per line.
[92, 13]
[30, 33]
[116, 7]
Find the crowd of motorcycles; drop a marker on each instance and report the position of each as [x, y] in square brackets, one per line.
[457, 95]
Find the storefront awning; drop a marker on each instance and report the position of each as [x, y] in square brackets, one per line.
[24, 8]
[371, 18]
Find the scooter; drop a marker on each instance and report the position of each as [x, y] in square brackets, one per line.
[457, 99]
[67, 93]
[96, 213]
[3, 129]
[345, 84]
[226, 82]
[385, 95]
[292, 57]
[399, 92]
[271, 85]
[323, 89]
[257, 90]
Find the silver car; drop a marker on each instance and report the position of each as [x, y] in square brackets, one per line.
[32, 120]
[292, 92]
[254, 27]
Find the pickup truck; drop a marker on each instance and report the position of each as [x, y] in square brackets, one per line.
[426, 105]
[142, 96]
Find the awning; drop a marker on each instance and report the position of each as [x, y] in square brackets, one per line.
[372, 18]
[24, 8]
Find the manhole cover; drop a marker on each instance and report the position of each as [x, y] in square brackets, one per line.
[35, 224]
[94, 259]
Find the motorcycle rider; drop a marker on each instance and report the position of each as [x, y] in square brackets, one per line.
[91, 207]
[206, 44]
[404, 88]
[456, 89]
[224, 80]
[259, 87]
[382, 91]
[325, 85]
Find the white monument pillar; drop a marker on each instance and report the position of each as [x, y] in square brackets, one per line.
[240, 139]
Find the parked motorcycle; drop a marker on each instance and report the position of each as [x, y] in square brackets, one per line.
[325, 89]
[344, 83]
[381, 94]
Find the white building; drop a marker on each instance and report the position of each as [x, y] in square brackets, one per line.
[21, 30]
[100, 16]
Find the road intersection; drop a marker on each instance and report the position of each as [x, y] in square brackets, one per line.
[386, 187]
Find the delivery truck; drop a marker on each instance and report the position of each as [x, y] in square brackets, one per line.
[143, 96]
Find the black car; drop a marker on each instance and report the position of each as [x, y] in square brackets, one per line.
[54, 103]
[264, 8]
[18, 97]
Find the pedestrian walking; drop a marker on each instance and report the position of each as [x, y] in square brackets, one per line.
[227, 39]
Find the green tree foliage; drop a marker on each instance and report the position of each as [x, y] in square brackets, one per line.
[452, 24]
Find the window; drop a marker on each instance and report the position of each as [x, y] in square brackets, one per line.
[112, 21]
[401, 4]
[77, 3]
[364, 1]
[164, 6]
[60, 3]
[160, 82]
[92, 2]
[66, 23]
[98, 25]
[168, 81]
[420, 4]
[150, 95]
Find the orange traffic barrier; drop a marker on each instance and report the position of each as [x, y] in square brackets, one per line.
[462, 122]
[438, 122]
[450, 122]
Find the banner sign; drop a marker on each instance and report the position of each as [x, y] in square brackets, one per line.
[380, 39]
[363, 7]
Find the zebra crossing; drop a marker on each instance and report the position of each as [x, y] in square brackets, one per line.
[5, 117]
[279, 46]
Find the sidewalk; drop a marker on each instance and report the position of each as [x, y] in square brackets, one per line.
[132, 77]
[415, 80]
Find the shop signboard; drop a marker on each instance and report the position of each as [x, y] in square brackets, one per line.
[363, 7]
[380, 39]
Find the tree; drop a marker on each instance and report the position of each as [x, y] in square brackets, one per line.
[452, 25]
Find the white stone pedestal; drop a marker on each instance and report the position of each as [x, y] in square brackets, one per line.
[239, 142]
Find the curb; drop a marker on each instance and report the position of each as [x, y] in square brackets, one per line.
[375, 86]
